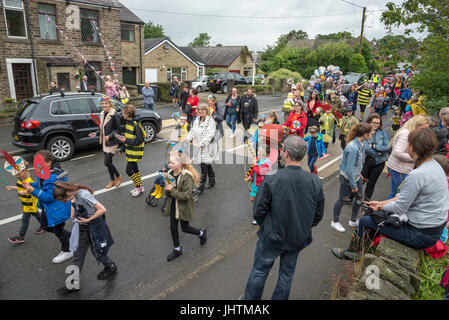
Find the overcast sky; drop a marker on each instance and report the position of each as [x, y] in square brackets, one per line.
[312, 16]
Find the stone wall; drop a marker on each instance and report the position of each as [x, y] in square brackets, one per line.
[130, 52]
[398, 267]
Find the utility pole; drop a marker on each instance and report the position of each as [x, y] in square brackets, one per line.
[361, 33]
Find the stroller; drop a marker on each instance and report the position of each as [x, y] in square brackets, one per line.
[153, 197]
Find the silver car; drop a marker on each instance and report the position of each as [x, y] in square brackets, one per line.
[200, 83]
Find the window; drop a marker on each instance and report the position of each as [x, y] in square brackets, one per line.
[89, 22]
[200, 71]
[48, 28]
[127, 32]
[15, 18]
[181, 73]
[59, 108]
[63, 81]
[79, 106]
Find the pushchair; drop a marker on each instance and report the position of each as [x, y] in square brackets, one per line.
[152, 199]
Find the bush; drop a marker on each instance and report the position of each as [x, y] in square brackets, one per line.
[284, 74]
[262, 89]
[9, 100]
[164, 89]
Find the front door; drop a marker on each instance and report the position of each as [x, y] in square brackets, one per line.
[129, 75]
[22, 80]
[151, 75]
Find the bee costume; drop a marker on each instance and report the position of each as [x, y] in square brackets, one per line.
[134, 146]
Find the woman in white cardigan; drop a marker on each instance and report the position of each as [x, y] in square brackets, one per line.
[202, 135]
[400, 163]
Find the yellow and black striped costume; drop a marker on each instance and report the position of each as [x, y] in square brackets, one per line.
[364, 96]
[29, 202]
[134, 147]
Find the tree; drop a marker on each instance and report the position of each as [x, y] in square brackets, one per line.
[153, 31]
[358, 64]
[399, 47]
[202, 40]
[433, 17]
[345, 35]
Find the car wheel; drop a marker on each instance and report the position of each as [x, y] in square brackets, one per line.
[213, 90]
[61, 147]
[150, 131]
[199, 88]
[224, 89]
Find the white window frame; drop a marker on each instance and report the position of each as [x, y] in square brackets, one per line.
[12, 87]
[200, 71]
[5, 7]
[183, 74]
[169, 71]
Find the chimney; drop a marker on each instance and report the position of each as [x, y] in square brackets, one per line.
[290, 36]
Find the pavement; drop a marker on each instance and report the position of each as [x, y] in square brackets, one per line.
[218, 270]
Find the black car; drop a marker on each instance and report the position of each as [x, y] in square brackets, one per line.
[61, 122]
[218, 81]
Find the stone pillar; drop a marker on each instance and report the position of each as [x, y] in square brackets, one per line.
[272, 83]
[284, 86]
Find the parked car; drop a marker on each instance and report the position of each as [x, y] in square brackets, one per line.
[61, 123]
[249, 80]
[260, 78]
[218, 81]
[200, 83]
[350, 79]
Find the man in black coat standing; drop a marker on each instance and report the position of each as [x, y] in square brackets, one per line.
[287, 205]
[248, 110]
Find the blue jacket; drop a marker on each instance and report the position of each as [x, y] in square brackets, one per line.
[406, 94]
[57, 212]
[352, 162]
[319, 144]
[381, 141]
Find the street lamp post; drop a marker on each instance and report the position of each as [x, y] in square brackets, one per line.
[254, 55]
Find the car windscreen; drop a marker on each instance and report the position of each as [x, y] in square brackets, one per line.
[213, 76]
[197, 79]
[352, 78]
[25, 108]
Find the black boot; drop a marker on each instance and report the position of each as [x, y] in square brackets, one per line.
[203, 238]
[107, 272]
[211, 174]
[175, 253]
[351, 252]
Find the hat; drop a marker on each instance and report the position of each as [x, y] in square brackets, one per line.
[326, 107]
[293, 86]
[290, 95]
[348, 107]
[211, 96]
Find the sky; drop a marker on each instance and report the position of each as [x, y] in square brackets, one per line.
[274, 18]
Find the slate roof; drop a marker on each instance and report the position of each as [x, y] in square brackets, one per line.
[222, 56]
[106, 3]
[153, 42]
[192, 54]
[126, 15]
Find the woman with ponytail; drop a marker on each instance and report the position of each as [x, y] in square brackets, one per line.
[350, 173]
[180, 204]
[420, 208]
[91, 228]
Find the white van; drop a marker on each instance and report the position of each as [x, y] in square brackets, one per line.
[200, 83]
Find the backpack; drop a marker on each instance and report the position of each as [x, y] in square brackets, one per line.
[172, 90]
[143, 130]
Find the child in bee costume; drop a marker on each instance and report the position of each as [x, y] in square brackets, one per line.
[327, 123]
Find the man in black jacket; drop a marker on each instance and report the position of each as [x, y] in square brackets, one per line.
[248, 109]
[288, 204]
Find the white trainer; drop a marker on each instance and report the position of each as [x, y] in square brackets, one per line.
[133, 190]
[232, 135]
[136, 192]
[353, 223]
[337, 226]
[62, 256]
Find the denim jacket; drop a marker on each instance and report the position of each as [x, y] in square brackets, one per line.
[352, 162]
[381, 142]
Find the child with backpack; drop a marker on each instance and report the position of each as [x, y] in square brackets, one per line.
[315, 148]
[134, 143]
[29, 202]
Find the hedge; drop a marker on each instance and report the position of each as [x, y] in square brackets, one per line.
[164, 89]
[256, 88]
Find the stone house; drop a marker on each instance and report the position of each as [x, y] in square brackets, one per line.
[227, 58]
[164, 59]
[58, 40]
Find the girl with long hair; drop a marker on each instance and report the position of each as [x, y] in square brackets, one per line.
[180, 205]
[351, 173]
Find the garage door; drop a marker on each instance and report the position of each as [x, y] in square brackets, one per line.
[151, 75]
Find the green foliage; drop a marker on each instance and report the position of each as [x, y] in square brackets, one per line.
[284, 74]
[335, 36]
[400, 47]
[431, 272]
[202, 40]
[9, 100]
[211, 70]
[153, 31]
[256, 88]
[419, 16]
[163, 91]
[358, 64]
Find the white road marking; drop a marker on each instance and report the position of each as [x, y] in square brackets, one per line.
[329, 163]
[84, 157]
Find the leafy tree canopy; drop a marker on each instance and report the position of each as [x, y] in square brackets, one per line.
[202, 40]
[153, 31]
[335, 36]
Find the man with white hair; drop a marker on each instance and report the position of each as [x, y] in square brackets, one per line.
[148, 94]
[84, 84]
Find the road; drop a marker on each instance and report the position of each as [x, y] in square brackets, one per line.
[142, 236]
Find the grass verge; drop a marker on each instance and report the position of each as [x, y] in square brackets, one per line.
[431, 272]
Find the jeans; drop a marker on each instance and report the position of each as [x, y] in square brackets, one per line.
[396, 180]
[311, 163]
[345, 192]
[263, 262]
[371, 171]
[231, 120]
[149, 106]
[84, 244]
[62, 235]
[405, 235]
[26, 222]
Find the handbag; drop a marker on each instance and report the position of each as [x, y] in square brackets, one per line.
[382, 218]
